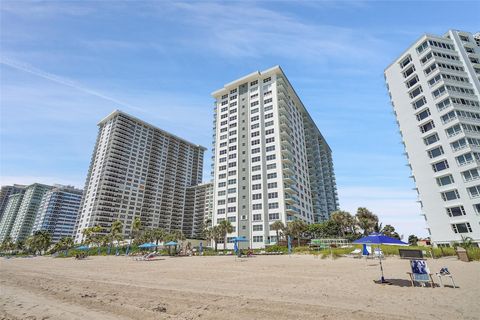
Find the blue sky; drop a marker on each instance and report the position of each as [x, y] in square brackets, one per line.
[67, 64]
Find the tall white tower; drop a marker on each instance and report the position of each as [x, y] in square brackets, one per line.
[434, 88]
[270, 160]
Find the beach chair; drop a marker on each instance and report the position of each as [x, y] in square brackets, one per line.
[445, 273]
[420, 273]
[355, 253]
[378, 253]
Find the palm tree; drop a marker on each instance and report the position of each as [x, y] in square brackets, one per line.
[116, 233]
[217, 235]
[225, 228]
[136, 226]
[158, 234]
[277, 226]
[7, 244]
[65, 243]
[297, 228]
[342, 219]
[366, 220]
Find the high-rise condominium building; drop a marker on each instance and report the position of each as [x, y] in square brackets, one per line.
[58, 212]
[270, 160]
[138, 170]
[10, 214]
[434, 88]
[25, 217]
[5, 192]
[198, 210]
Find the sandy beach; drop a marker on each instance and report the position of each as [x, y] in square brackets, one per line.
[263, 287]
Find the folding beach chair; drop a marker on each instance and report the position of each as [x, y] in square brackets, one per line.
[420, 273]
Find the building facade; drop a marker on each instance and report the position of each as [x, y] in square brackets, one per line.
[434, 89]
[198, 210]
[5, 192]
[10, 214]
[270, 161]
[138, 170]
[58, 212]
[27, 212]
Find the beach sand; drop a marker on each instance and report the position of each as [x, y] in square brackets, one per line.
[263, 287]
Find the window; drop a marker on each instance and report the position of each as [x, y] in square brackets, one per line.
[271, 166]
[269, 123]
[271, 175]
[411, 82]
[255, 118]
[257, 238]
[474, 191]
[276, 216]
[430, 69]
[269, 140]
[443, 104]
[232, 219]
[405, 61]
[254, 83]
[272, 185]
[257, 177]
[435, 152]
[255, 159]
[256, 186]
[456, 211]
[257, 217]
[450, 195]
[419, 103]
[462, 227]
[427, 126]
[256, 196]
[257, 227]
[426, 58]
[269, 131]
[220, 202]
[408, 72]
[440, 91]
[232, 209]
[449, 117]
[464, 159]
[431, 139]
[422, 47]
[434, 80]
[232, 200]
[257, 168]
[453, 130]
[257, 206]
[267, 79]
[255, 150]
[445, 180]
[439, 166]
[220, 211]
[270, 148]
[273, 195]
[273, 205]
[470, 175]
[415, 92]
[459, 144]
[271, 157]
[422, 115]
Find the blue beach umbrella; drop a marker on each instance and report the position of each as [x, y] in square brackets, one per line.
[171, 243]
[378, 239]
[147, 245]
[236, 240]
[84, 248]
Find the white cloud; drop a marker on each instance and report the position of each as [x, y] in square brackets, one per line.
[61, 80]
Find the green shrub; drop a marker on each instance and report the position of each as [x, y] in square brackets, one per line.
[276, 248]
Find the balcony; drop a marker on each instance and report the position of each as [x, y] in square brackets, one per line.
[287, 159]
